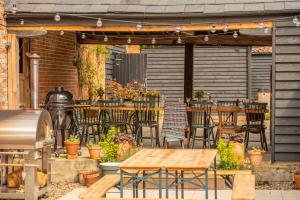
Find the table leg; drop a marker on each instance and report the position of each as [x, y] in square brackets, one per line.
[215, 176]
[159, 183]
[176, 183]
[144, 184]
[167, 184]
[121, 183]
[206, 184]
[182, 185]
[133, 187]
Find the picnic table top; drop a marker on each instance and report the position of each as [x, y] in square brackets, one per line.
[171, 159]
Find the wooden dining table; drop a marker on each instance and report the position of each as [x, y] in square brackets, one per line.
[173, 162]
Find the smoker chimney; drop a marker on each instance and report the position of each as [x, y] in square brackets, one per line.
[34, 79]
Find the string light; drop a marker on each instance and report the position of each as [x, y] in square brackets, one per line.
[235, 34]
[99, 22]
[266, 31]
[295, 20]
[177, 29]
[61, 32]
[57, 17]
[179, 40]
[153, 40]
[213, 28]
[206, 38]
[83, 36]
[129, 40]
[105, 39]
[14, 8]
[139, 26]
[225, 29]
[298, 24]
[22, 22]
[261, 24]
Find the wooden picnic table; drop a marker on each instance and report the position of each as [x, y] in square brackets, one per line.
[174, 162]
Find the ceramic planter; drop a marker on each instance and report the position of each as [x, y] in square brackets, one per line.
[109, 167]
[297, 181]
[95, 152]
[72, 149]
[255, 157]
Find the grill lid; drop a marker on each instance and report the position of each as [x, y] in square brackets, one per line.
[59, 96]
[28, 129]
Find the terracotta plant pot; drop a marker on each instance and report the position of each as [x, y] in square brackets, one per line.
[297, 181]
[72, 149]
[255, 157]
[91, 178]
[95, 152]
[238, 152]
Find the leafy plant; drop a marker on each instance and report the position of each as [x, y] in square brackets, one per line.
[72, 138]
[109, 147]
[225, 151]
[257, 149]
[199, 94]
[92, 144]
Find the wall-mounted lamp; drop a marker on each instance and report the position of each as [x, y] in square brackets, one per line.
[117, 60]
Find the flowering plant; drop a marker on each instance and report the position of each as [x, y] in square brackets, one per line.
[134, 90]
[115, 89]
[152, 93]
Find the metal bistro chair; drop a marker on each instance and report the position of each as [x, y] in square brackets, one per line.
[114, 115]
[228, 118]
[201, 119]
[145, 117]
[255, 117]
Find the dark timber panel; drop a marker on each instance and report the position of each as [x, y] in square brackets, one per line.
[221, 71]
[261, 73]
[110, 62]
[165, 71]
[286, 92]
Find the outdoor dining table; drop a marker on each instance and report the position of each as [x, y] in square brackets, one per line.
[175, 163]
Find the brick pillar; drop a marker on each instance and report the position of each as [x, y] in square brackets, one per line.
[3, 59]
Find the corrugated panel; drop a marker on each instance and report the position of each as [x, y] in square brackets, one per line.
[286, 92]
[221, 71]
[110, 61]
[165, 71]
[261, 65]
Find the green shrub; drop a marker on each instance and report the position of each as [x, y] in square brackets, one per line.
[225, 151]
[109, 147]
[72, 138]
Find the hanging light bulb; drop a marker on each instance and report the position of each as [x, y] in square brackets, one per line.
[83, 36]
[153, 40]
[206, 38]
[225, 29]
[295, 19]
[298, 24]
[213, 28]
[57, 17]
[5, 15]
[235, 34]
[261, 24]
[23, 175]
[22, 22]
[14, 8]
[139, 26]
[177, 29]
[266, 31]
[129, 40]
[99, 22]
[105, 39]
[61, 32]
[179, 40]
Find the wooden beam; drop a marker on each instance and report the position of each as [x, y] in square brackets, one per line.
[146, 28]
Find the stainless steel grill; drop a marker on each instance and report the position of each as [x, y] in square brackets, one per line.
[28, 136]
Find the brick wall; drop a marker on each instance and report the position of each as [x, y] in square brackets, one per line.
[3, 60]
[56, 64]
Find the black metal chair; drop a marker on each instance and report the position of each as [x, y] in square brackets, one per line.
[201, 119]
[145, 117]
[255, 117]
[229, 103]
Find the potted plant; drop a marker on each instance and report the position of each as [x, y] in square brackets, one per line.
[256, 155]
[94, 150]
[225, 151]
[100, 92]
[72, 144]
[199, 94]
[297, 177]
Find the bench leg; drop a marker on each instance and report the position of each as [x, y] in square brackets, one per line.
[159, 183]
[176, 183]
[144, 185]
[167, 184]
[121, 183]
[182, 185]
[215, 177]
[206, 184]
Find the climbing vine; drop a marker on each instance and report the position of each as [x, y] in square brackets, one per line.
[91, 69]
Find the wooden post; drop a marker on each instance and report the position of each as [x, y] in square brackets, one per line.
[188, 71]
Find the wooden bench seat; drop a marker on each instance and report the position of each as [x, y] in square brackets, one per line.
[243, 187]
[99, 189]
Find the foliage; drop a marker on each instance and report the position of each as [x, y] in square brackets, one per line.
[100, 92]
[109, 147]
[92, 144]
[123, 137]
[152, 93]
[199, 94]
[225, 151]
[256, 149]
[115, 89]
[236, 138]
[268, 116]
[91, 68]
[72, 138]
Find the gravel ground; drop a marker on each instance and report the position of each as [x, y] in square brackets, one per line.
[276, 186]
[59, 189]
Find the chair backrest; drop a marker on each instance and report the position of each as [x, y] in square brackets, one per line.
[255, 113]
[144, 113]
[113, 113]
[201, 113]
[228, 103]
[86, 115]
[227, 116]
[82, 102]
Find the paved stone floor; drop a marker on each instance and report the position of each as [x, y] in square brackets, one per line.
[194, 194]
